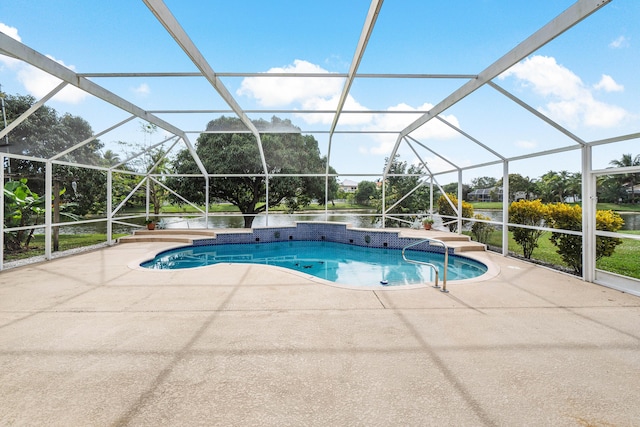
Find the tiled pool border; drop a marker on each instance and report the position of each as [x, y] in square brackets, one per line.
[321, 231]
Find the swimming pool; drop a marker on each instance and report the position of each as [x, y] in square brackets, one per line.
[337, 262]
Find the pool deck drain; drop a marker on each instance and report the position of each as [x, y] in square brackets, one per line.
[86, 340]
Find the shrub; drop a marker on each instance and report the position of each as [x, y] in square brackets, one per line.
[527, 212]
[568, 217]
[482, 230]
[445, 209]
[607, 221]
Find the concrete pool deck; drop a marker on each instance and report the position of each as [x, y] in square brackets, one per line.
[87, 340]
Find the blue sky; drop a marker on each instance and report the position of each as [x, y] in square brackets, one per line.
[586, 79]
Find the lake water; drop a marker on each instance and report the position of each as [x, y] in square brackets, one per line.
[356, 219]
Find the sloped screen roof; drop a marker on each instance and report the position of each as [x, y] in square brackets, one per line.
[455, 85]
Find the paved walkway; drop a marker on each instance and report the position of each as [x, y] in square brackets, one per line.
[87, 340]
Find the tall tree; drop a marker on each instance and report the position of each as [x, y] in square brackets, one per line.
[556, 186]
[233, 154]
[519, 184]
[44, 134]
[483, 182]
[628, 180]
[401, 181]
[157, 193]
[452, 188]
[366, 193]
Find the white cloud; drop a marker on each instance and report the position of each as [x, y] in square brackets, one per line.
[13, 33]
[318, 103]
[569, 100]
[324, 94]
[306, 93]
[35, 81]
[143, 89]
[10, 31]
[434, 129]
[283, 91]
[619, 43]
[607, 84]
[38, 83]
[527, 145]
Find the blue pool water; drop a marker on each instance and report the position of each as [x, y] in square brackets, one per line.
[336, 262]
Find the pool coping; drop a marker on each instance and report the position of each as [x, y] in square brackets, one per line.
[320, 233]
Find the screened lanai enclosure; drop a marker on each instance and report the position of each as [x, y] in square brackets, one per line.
[120, 112]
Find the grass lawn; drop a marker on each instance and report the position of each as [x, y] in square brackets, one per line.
[487, 205]
[624, 261]
[65, 242]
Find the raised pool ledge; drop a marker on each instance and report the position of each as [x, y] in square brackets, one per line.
[344, 233]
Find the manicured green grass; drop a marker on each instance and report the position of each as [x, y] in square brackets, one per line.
[625, 207]
[624, 261]
[545, 252]
[65, 242]
[487, 205]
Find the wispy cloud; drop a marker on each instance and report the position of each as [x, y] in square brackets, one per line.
[527, 145]
[619, 43]
[142, 90]
[569, 100]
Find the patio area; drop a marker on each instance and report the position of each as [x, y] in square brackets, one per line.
[88, 340]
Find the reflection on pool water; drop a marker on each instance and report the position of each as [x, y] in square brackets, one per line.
[336, 262]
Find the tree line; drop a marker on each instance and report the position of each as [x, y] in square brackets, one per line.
[236, 168]
[232, 158]
[553, 186]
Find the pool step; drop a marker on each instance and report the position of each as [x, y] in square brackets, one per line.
[459, 242]
[170, 235]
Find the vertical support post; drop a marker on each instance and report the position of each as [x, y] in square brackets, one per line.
[589, 203]
[326, 196]
[505, 208]
[56, 216]
[109, 196]
[148, 195]
[446, 267]
[267, 200]
[431, 194]
[384, 199]
[48, 193]
[459, 201]
[3, 159]
[206, 200]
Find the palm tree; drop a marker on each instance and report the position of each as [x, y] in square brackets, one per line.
[111, 158]
[574, 186]
[627, 179]
[554, 186]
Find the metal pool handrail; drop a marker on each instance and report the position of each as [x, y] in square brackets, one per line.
[446, 261]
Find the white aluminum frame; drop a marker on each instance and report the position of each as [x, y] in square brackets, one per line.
[579, 11]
